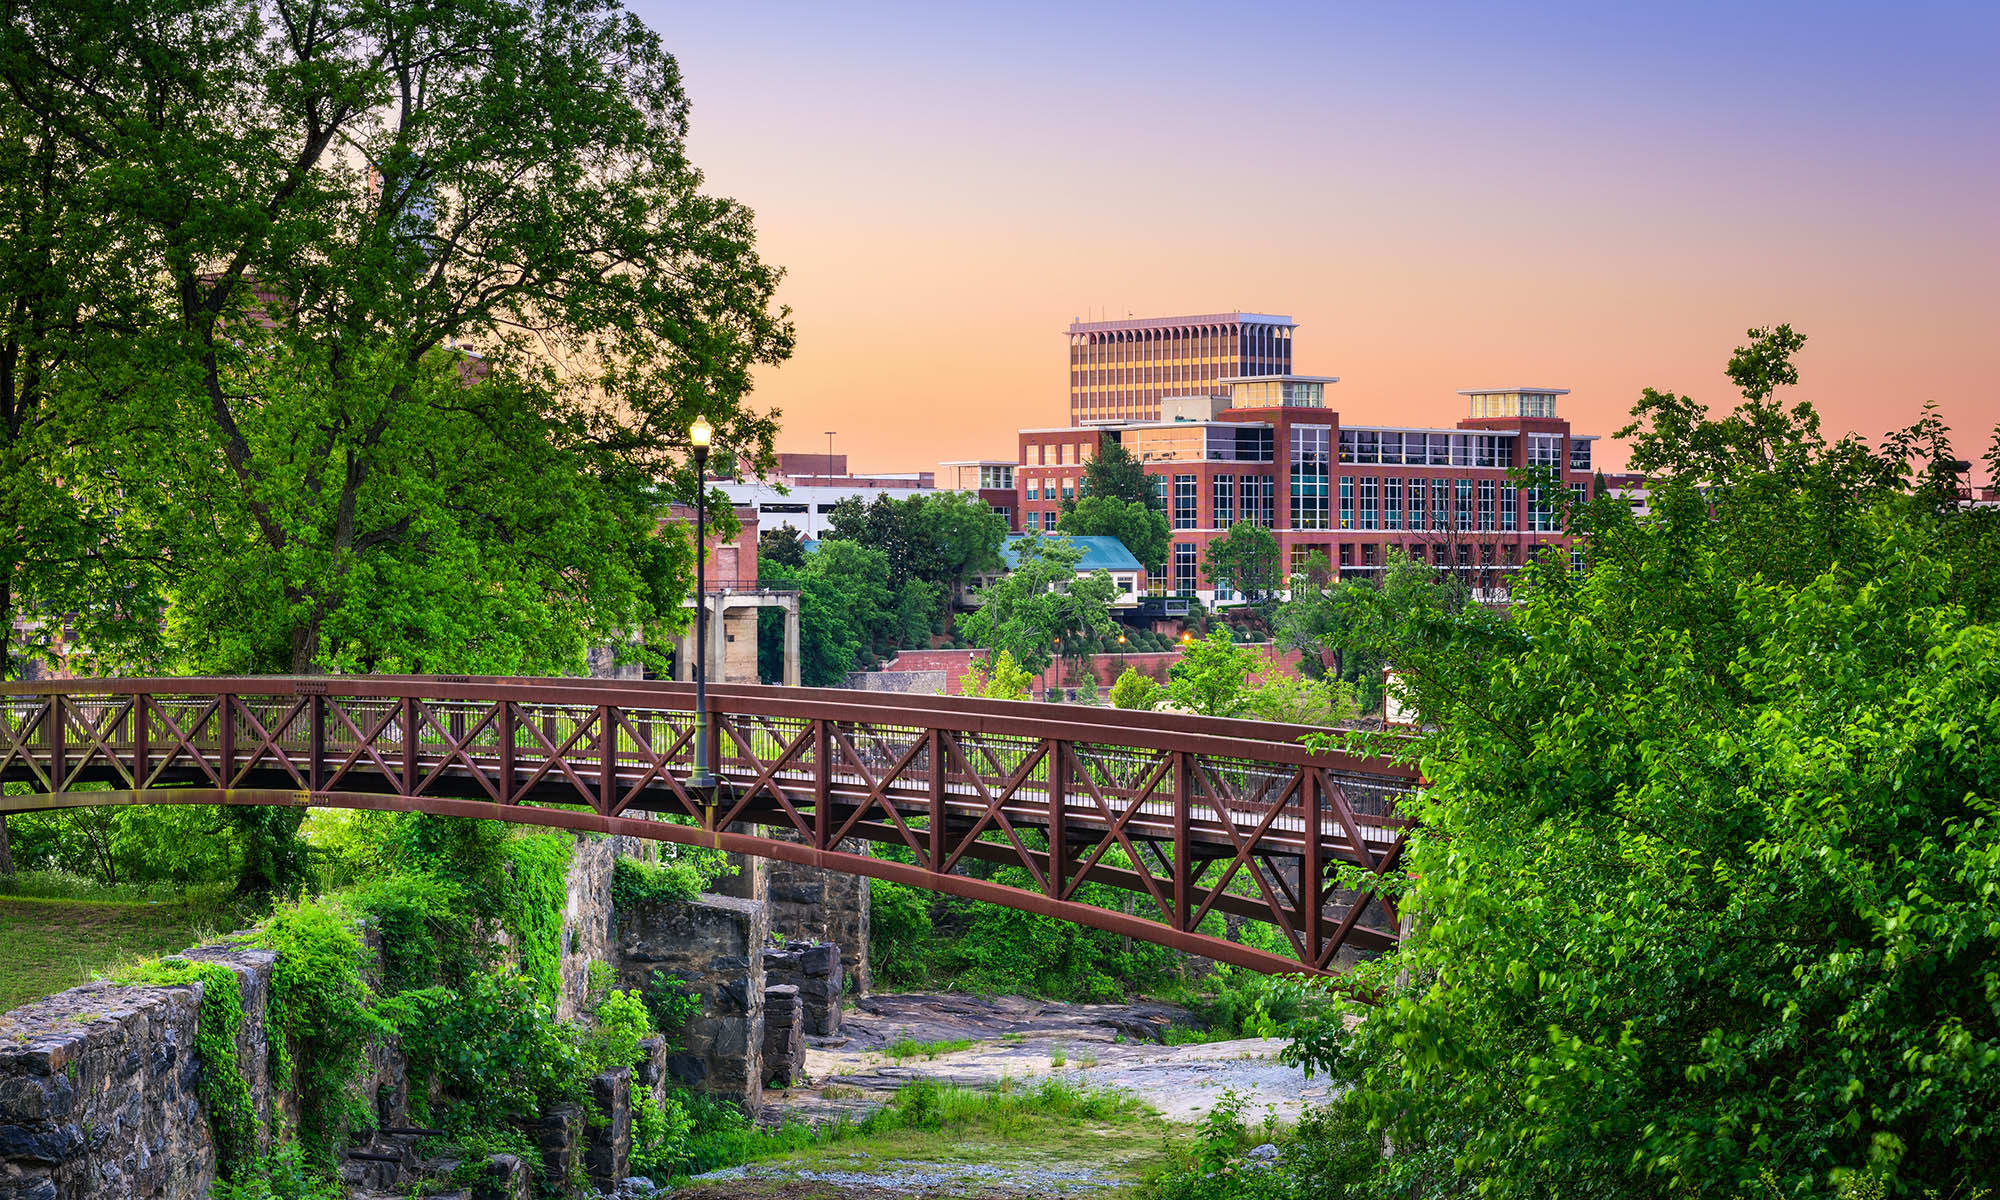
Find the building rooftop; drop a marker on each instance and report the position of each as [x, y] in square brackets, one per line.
[1101, 552]
[1509, 391]
[1172, 322]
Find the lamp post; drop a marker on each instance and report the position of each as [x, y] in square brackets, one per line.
[1121, 653]
[700, 434]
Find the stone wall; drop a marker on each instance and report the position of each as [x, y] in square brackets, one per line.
[814, 905]
[586, 931]
[98, 1096]
[716, 945]
[814, 969]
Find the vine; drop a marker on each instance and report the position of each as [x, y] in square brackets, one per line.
[320, 1021]
[225, 1094]
[539, 864]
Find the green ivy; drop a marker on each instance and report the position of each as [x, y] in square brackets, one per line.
[225, 1094]
[320, 1019]
[687, 875]
[539, 866]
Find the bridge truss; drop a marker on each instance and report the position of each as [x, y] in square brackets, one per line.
[1202, 820]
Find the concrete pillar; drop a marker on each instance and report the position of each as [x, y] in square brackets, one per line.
[792, 675]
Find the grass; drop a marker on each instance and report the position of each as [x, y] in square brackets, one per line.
[1052, 1124]
[1058, 1056]
[47, 945]
[904, 1048]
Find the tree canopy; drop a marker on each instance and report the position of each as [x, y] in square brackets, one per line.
[1142, 530]
[1703, 880]
[1041, 603]
[306, 214]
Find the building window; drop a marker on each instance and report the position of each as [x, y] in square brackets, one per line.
[1545, 450]
[1540, 518]
[1034, 520]
[1034, 489]
[1579, 495]
[1160, 484]
[1184, 568]
[1347, 501]
[1462, 513]
[1579, 455]
[1065, 454]
[1440, 504]
[1069, 489]
[1486, 505]
[1510, 506]
[1259, 495]
[1186, 501]
[1347, 554]
[1416, 504]
[1368, 552]
[1309, 475]
[1225, 501]
[1370, 501]
[1392, 503]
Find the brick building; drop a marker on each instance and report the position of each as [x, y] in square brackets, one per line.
[1268, 450]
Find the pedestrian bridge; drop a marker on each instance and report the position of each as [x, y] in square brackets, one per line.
[1204, 822]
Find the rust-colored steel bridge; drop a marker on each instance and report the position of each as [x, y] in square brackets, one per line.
[1202, 819]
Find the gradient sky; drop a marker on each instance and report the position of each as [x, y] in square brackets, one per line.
[1599, 196]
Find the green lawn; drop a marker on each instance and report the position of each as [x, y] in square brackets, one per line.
[49, 945]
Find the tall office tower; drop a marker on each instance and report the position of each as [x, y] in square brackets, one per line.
[1120, 370]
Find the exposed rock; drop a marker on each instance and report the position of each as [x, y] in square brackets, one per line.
[784, 1036]
[815, 969]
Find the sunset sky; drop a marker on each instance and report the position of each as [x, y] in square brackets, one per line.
[1597, 196]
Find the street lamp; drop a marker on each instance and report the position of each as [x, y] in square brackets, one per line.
[700, 434]
[1121, 652]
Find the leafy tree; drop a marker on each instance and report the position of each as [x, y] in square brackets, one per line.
[845, 608]
[1114, 473]
[1246, 559]
[1703, 876]
[943, 539]
[965, 534]
[1284, 697]
[1142, 530]
[997, 677]
[1213, 675]
[294, 415]
[781, 545]
[1134, 691]
[1043, 601]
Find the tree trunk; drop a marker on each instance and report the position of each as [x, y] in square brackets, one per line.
[6, 850]
[305, 647]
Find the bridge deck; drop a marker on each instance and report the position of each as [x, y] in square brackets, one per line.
[1203, 816]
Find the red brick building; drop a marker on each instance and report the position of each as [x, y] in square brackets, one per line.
[1272, 453]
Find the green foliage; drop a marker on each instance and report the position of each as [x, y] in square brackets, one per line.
[1284, 697]
[687, 873]
[1212, 677]
[538, 866]
[1246, 558]
[671, 1002]
[259, 378]
[996, 677]
[1040, 603]
[225, 1094]
[907, 1047]
[1115, 473]
[922, 939]
[427, 929]
[618, 1023]
[321, 1019]
[1704, 876]
[899, 921]
[1135, 691]
[494, 1047]
[284, 1174]
[662, 1130]
[1142, 529]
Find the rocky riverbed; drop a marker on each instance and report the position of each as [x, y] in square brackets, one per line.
[1011, 1037]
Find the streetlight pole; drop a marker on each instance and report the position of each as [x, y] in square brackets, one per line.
[700, 434]
[829, 454]
[1121, 653]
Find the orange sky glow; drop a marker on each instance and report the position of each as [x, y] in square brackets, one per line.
[1570, 197]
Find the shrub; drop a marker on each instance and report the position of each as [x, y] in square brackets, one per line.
[321, 1017]
[1135, 691]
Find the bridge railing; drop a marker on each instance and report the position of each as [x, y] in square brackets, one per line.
[1207, 818]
